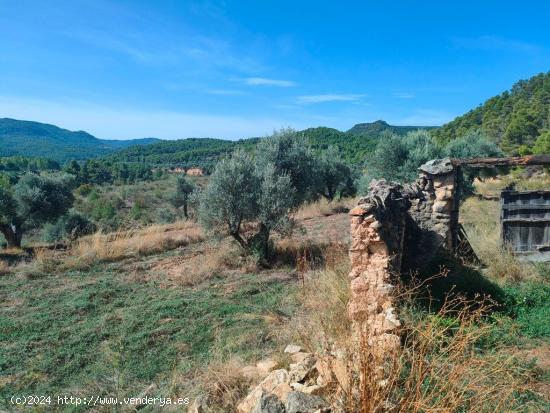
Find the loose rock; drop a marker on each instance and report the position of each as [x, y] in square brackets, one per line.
[269, 403]
[292, 348]
[304, 403]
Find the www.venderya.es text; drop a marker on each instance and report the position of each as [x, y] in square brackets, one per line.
[94, 400]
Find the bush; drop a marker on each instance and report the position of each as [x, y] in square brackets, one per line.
[33, 201]
[333, 175]
[181, 197]
[165, 216]
[70, 226]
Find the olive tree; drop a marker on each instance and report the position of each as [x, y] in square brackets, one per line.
[472, 145]
[243, 192]
[397, 158]
[184, 188]
[332, 174]
[31, 202]
[290, 154]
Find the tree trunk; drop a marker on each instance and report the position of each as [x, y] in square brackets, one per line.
[262, 242]
[240, 240]
[12, 234]
[185, 214]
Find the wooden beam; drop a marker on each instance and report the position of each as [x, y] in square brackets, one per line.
[511, 161]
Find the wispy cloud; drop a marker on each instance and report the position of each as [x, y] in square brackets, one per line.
[224, 92]
[404, 95]
[330, 97]
[263, 81]
[495, 43]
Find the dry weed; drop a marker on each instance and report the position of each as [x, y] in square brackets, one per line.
[481, 222]
[441, 368]
[4, 268]
[226, 256]
[224, 384]
[322, 319]
[492, 187]
[123, 244]
[323, 208]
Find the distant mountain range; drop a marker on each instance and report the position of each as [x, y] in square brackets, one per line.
[26, 138]
[34, 139]
[514, 120]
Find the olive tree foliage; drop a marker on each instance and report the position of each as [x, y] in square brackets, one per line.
[31, 202]
[333, 176]
[290, 154]
[473, 144]
[398, 158]
[244, 192]
[184, 188]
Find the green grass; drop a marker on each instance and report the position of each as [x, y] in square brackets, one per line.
[69, 333]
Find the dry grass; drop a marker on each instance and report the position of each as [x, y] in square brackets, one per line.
[124, 244]
[441, 368]
[5, 268]
[224, 384]
[322, 320]
[223, 257]
[481, 222]
[492, 187]
[323, 208]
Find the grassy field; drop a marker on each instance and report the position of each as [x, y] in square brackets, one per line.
[152, 310]
[117, 329]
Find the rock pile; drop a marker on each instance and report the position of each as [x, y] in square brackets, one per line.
[300, 389]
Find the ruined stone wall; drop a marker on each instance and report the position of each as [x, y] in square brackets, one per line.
[377, 235]
[433, 216]
[396, 228]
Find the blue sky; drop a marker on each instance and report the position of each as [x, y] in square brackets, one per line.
[232, 69]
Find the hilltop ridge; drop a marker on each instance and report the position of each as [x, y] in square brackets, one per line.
[35, 139]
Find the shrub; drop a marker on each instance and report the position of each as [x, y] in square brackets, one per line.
[33, 201]
[398, 158]
[542, 144]
[84, 189]
[165, 216]
[70, 226]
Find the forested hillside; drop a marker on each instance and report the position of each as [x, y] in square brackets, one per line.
[35, 139]
[205, 152]
[377, 128]
[514, 120]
